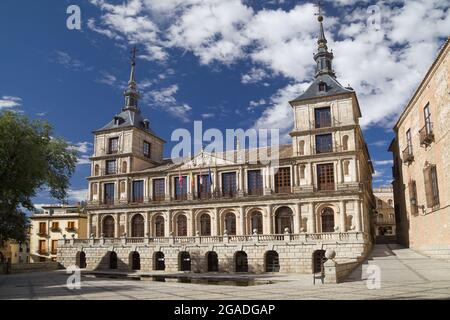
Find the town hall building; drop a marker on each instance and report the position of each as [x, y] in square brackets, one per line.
[214, 213]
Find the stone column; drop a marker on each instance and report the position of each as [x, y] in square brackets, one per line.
[339, 172]
[150, 189]
[146, 193]
[117, 226]
[89, 225]
[146, 222]
[298, 219]
[294, 170]
[342, 216]
[167, 188]
[116, 191]
[267, 227]
[126, 226]
[168, 224]
[193, 224]
[215, 223]
[242, 220]
[357, 212]
[241, 182]
[99, 226]
[311, 219]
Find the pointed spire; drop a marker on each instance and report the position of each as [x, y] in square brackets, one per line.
[131, 94]
[323, 58]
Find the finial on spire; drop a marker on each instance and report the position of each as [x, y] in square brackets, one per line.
[319, 10]
[131, 94]
[323, 57]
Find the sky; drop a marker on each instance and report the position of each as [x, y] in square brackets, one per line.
[229, 63]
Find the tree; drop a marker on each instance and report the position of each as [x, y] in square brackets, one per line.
[30, 160]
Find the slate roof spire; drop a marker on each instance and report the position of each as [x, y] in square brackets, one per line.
[323, 58]
[131, 94]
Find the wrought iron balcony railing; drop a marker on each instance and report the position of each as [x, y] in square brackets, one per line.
[426, 134]
[407, 155]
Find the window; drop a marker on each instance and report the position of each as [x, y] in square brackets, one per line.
[96, 170]
[302, 171]
[229, 184]
[255, 182]
[113, 145]
[324, 143]
[182, 226]
[159, 189]
[137, 226]
[284, 220]
[71, 225]
[283, 180]
[409, 141]
[111, 167]
[55, 226]
[42, 247]
[257, 222]
[203, 186]
[322, 117]
[390, 202]
[108, 227]
[427, 118]
[146, 150]
[54, 246]
[322, 87]
[205, 225]
[42, 228]
[301, 148]
[180, 188]
[327, 220]
[345, 143]
[138, 191]
[109, 193]
[325, 176]
[431, 186]
[230, 223]
[159, 226]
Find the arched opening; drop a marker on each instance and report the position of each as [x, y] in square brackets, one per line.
[112, 260]
[137, 226]
[241, 261]
[185, 261]
[230, 223]
[318, 260]
[94, 189]
[181, 225]
[159, 261]
[81, 260]
[205, 225]
[345, 143]
[346, 168]
[159, 226]
[327, 220]
[301, 148]
[272, 261]
[108, 227]
[213, 261]
[256, 222]
[96, 170]
[284, 218]
[124, 167]
[135, 260]
[302, 171]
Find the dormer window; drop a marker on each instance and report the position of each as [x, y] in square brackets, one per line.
[116, 120]
[146, 149]
[322, 87]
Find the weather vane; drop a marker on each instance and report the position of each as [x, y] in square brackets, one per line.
[319, 8]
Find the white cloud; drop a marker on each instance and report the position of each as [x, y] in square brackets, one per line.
[107, 78]
[255, 75]
[384, 66]
[256, 103]
[383, 162]
[207, 115]
[84, 149]
[68, 62]
[165, 100]
[8, 102]
[77, 195]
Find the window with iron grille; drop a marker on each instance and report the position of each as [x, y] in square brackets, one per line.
[283, 180]
[325, 176]
[229, 184]
[322, 116]
[255, 182]
[113, 145]
[159, 190]
[180, 188]
[111, 167]
[146, 149]
[324, 143]
[109, 193]
[138, 191]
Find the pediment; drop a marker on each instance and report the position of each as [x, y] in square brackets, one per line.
[204, 159]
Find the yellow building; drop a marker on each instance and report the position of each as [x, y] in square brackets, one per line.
[55, 223]
[422, 163]
[15, 252]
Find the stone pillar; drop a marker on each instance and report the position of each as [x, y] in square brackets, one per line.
[146, 193]
[339, 172]
[357, 213]
[167, 188]
[117, 226]
[242, 220]
[193, 225]
[342, 216]
[89, 225]
[215, 223]
[266, 180]
[146, 223]
[99, 226]
[116, 191]
[294, 169]
[241, 182]
[168, 224]
[267, 227]
[311, 219]
[298, 219]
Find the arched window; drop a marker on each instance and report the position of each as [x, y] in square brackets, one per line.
[283, 219]
[302, 171]
[137, 226]
[181, 225]
[124, 167]
[390, 202]
[345, 143]
[380, 216]
[327, 220]
[379, 203]
[256, 222]
[322, 86]
[346, 167]
[230, 223]
[159, 226]
[301, 147]
[96, 170]
[205, 225]
[108, 227]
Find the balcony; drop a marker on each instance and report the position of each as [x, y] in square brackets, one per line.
[426, 134]
[158, 198]
[42, 252]
[283, 189]
[55, 229]
[54, 251]
[181, 197]
[42, 233]
[407, 155]
[326, 186]
[113, 151]
[255, 192]
[229, 194]
[108, 172]
[71, 229]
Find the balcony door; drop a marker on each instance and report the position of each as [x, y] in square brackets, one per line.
[325, 176]
[283, 180]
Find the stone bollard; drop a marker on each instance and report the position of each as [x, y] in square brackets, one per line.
[330, 267]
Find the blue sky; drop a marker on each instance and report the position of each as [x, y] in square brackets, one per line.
[232, 64]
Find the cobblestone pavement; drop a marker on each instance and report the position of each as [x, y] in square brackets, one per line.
[405, 274]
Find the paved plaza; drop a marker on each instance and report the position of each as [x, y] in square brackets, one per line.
[405, 274]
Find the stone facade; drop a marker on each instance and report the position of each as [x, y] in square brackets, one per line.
[318, 195]
[385, 212]
[422, 163]
[51, 224]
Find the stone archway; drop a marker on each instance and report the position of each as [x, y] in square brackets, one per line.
[135, 260]
[284, 218]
